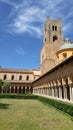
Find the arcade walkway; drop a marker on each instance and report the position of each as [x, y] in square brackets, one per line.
[58, 82]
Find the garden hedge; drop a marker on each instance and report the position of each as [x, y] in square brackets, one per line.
[18, 96]
[63, 106]
[60, 105]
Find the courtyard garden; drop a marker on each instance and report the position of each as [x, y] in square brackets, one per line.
[32, 114]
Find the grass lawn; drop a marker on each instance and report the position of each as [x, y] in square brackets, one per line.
[20, 114]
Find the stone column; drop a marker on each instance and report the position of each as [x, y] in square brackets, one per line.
[10, 89]
[38, 91]
[21, 89]
[42, 91]
[25, 89]
[64, 88]
[47, 91]
[71, 93]
[14, 89]
[70, 88]
[52, 92]
[65, 91]
[56, 93]
[60, 92]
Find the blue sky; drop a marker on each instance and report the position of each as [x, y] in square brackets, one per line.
[21, 29]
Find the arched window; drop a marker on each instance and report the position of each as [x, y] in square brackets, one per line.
[55, 28]
[20, 77]
[52, 28]
[12, 77]
[65, 55]
[27, 77]
[55, 38]
[5, 77]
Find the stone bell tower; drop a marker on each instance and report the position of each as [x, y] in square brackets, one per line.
[53, 39]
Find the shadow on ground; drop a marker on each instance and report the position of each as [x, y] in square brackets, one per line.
[4, 106]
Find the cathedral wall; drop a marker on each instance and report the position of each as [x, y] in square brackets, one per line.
[16, 76]
[47, 65]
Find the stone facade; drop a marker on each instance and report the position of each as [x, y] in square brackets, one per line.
[53, 39]
[57, 82]
[56, 79]
[20, 80]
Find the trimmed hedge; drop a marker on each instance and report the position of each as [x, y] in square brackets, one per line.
[63, 106]
[60, 105]
[18, 96]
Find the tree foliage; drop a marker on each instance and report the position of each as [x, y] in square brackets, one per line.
[1, 82]
[6, 86]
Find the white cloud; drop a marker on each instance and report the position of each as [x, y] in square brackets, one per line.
[9, 2]
[20, 51]
[67, 26]
[30, 15]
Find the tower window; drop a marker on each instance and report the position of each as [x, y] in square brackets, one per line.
[5, 77]
[55, 28]
[20, 77]
[55, 38]
[12, 77]
[52, 28]
[65, 55]
[27, 77]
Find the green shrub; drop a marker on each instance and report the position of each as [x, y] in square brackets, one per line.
[18, 96]
[65, 107]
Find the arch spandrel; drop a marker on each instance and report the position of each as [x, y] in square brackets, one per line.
[59, 82]
[70, 81]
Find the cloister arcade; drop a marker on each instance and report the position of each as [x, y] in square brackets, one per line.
[19, 88]
[58, 82]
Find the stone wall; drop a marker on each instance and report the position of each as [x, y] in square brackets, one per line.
[58, 82]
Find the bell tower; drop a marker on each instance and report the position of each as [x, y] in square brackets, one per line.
[53, 39]
[52, 30]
